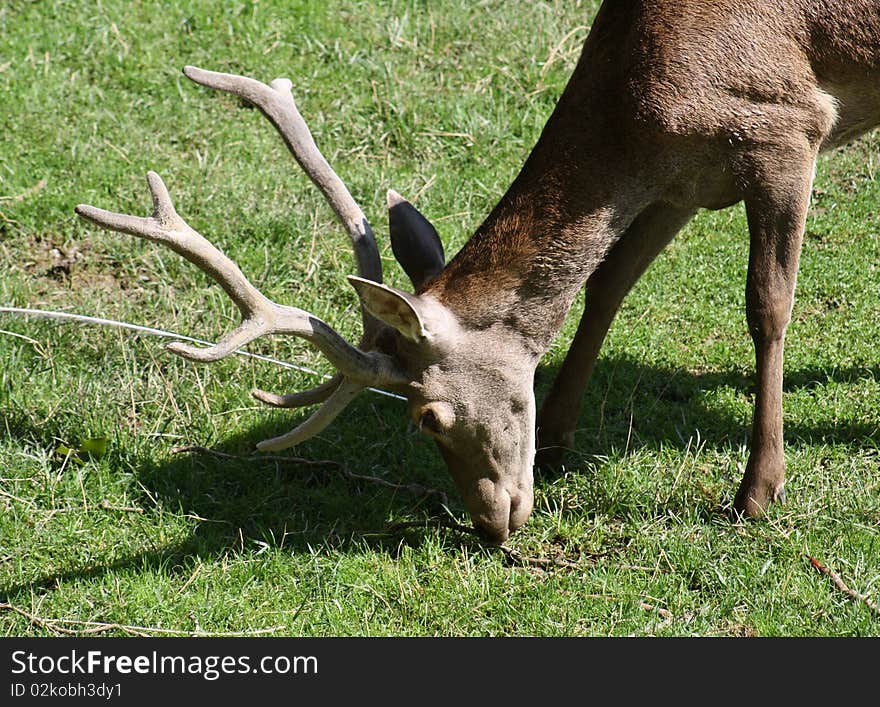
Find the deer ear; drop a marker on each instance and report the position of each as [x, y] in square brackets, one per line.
[394, 307]
[414, 241]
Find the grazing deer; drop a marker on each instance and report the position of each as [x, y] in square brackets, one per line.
[673, 107]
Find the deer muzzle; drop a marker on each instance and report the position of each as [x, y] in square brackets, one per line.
[499, 507]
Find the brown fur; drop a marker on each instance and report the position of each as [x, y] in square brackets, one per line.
[673, 106]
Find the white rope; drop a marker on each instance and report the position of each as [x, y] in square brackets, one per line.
[84, 319]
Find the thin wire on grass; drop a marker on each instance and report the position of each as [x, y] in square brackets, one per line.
[100, 321]
[418, 489]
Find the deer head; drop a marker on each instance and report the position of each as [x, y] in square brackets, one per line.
[469, 387]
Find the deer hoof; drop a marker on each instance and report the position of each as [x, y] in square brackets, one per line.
[780, 495]
[753, 500]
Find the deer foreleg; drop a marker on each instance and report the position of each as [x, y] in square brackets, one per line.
[776, 208]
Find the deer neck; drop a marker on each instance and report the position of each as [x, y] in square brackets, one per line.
[577, 192]
[522, 269]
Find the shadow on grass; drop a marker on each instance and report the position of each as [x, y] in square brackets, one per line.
[632, 406]
[301, 501]
[247, 500]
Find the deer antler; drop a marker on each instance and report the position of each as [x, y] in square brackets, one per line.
[260, 316]
[277, 104]
[312, 396]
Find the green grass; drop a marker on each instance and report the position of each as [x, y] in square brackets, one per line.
[441, 100]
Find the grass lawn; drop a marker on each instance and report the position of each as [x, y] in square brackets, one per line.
[104, 526]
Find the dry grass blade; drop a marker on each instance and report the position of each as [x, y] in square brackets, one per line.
[59, 627]
[543, 562]
[661, 612]
[841, 585]
[512, 554]
[415, 489]
[30, 191]
[430, 523]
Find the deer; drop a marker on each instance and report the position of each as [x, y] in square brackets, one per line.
[672, 107]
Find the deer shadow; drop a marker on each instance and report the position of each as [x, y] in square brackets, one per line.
[630, 406]
[314, 498]
[338, 492]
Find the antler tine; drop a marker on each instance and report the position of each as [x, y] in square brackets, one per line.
[315, 395]
[322, 417]
[276, 102]
[167, 227]
[260, 315]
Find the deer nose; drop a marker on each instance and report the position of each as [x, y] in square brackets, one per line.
[520, 509]
[495, 530]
